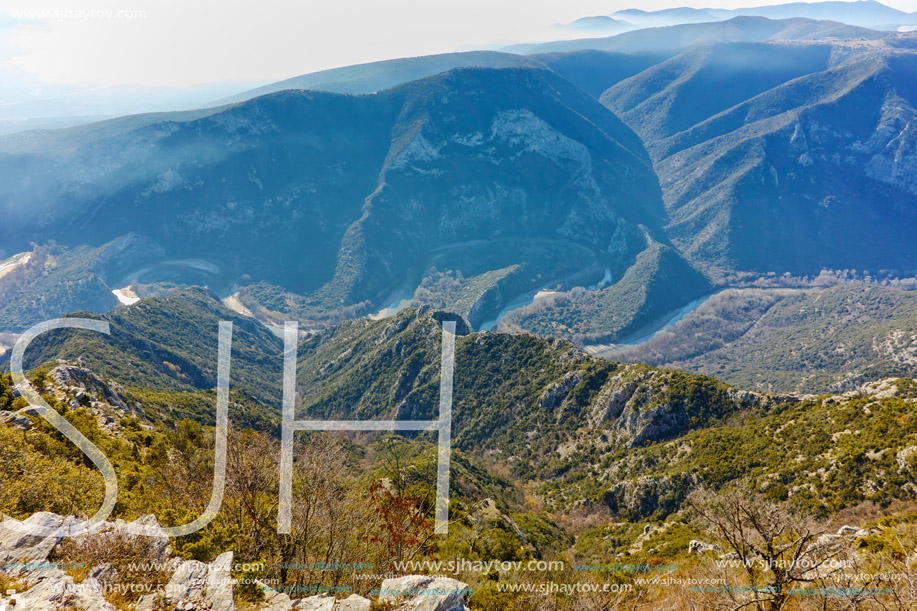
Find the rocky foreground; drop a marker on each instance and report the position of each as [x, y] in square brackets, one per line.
[44, 585]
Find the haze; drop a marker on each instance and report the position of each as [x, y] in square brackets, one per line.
[175, 43]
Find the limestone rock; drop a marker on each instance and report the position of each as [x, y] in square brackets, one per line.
[844, 531]
[16, 546]
[147, 602]
[16, 419]
[219, 584]
[315, 603]
[56, 590]
[188, 582]
[701, 547]
[274, 600]
[354, 602]
[424, 593]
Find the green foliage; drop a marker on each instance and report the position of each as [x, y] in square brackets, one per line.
[55, 281]
[6, 392]
[780, 340]
[659, 282]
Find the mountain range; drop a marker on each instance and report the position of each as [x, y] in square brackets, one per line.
[865, 13]
[585, 194]
[327, 217]
[680, 266]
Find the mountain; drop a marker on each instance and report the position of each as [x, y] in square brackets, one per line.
[681, 37]
[376, 76]
[596, 71]
[668, 16]
[866, 13]
[608, 314]
[363, 369]
[580, 431]
[599, 24]
[592, 71]
[555, 455]
[804, 145]
[321, 205]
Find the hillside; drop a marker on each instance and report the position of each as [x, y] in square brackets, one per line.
[545, 410]
[376, 76]
[780, 340]
[325, 219]
[608, 314]
[805, 146]
[381, 369]
[556, 455]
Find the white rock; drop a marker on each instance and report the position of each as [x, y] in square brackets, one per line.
[17, 420]
[187, 582]
[147, 602]
[354, 602]
[424, 593]
[219, 584]
[315, 603]
[701, 547]
[274, 600]
[17, 546]
[56, 590]
[843, 531]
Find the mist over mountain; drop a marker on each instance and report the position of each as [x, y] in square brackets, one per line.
[376, 76]
[599, 24]
[326, 202]
[507, 195]
[680, 37]
[867, 13]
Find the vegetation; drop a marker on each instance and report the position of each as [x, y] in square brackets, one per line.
[781, 340]
[659, 282]
[543, 465]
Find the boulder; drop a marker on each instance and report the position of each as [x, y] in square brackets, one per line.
[354, 602]
[16, 546]
[274, 600]
[188, 582]
[16, 419]
[424, 593]
[219, 584]
[147, 602]
[315, 603]
[56, 590]
[29, 410]
[845, 531]
[701, 547]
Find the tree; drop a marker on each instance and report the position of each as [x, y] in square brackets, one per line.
[775, 549]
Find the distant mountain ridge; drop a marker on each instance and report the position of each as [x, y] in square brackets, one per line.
[860, 12]
[376, 76]
[682, 36]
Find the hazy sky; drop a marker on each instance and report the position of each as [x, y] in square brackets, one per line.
[188, 42]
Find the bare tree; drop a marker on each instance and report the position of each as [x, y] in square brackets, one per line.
[774, 549]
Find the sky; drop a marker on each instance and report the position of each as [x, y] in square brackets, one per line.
[183, 43]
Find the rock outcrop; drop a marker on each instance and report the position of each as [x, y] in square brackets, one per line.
[424, 593]
[193, 585]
